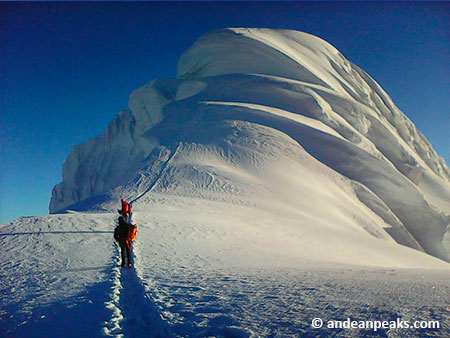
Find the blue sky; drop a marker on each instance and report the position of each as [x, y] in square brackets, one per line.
[68, 68]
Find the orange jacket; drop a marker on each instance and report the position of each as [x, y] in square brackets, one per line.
[132, 233]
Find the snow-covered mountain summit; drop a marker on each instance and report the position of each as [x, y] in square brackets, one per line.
[280, 122]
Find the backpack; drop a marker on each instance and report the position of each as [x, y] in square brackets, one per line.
[132, 232]
[131, 235]
[121, 231]
[126, 207]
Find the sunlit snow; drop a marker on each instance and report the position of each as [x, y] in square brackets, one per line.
[273, 182]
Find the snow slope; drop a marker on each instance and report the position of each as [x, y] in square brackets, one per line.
[273, 182]
[279, 120]
[198, 277]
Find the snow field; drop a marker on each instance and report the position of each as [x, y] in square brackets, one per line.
[194, 277]
[272, 182]
[54, 275]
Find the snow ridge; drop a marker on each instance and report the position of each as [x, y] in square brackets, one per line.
[264, 118]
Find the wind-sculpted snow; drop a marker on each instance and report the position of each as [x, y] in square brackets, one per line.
[278, 121]
[203, 269]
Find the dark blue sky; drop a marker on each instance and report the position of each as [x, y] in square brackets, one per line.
[68, 68]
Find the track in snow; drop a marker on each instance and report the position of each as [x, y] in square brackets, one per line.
[133, 312]
[60, 277]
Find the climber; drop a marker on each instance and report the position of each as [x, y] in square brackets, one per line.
[125, 211]
[125, 233]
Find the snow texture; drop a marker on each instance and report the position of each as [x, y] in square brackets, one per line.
[195, 277]
[277, 119]
[272, 182]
